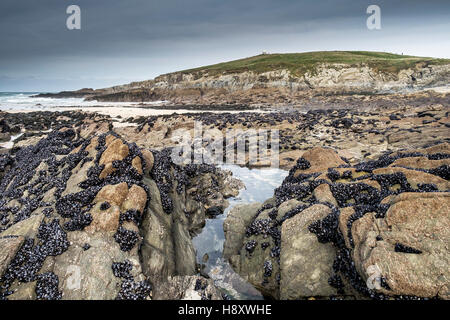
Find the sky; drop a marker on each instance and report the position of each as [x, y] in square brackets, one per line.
[122, 41]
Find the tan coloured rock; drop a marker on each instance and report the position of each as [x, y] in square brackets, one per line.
[104, 220]
[439, 148]
[136, 199]
[94, 143]
[90, 128]
[418, 221]
[149, 160]
[109, 139]
[114, 194]
[320, 160]
[107, 170]
[116, 150]
[137, 164]
[344, 215]
[323, 194]
[300, 247]
[419, 163]
[121, 199]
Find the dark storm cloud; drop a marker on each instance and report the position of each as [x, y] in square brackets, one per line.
[39, 27]
[137, 39]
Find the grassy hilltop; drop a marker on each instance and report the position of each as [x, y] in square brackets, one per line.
[300, 63]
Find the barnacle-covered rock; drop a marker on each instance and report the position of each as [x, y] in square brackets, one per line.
[318, 160]
[377, 229]
[114, 194]
[116, 150]
[149, 160]
[411, 253]
[9, 245]
[74, 208]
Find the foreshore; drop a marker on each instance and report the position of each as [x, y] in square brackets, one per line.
[99, 194]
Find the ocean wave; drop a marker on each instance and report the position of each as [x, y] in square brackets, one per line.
[26, 100]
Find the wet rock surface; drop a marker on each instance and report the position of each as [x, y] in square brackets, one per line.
[375, 230]
[70, 228]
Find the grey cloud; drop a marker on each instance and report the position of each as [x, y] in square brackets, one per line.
[140, 38]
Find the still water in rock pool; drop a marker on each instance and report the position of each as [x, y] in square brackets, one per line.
[259, 186]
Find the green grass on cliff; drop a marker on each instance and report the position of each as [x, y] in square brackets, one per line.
[300, 63]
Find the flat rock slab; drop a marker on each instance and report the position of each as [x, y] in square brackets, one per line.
[418, 224]
[305, 264]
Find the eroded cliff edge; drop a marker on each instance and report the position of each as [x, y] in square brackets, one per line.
[283, 78]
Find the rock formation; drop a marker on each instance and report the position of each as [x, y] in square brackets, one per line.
[101, 218]
[377, 229]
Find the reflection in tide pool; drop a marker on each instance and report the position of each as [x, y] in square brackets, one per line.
[260, 185]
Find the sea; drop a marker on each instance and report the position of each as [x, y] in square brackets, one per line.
[26, 101]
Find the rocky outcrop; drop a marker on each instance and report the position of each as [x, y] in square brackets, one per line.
[357, 134]
[68, 94]
[278, 86]
[377, 229]
[409, 246]
[235, 225]
[71, 188]
[9, 245]
[100, 218]
[337, 77]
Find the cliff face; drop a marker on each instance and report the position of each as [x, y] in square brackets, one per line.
[326, 76]
[283, 78]
[275, 86]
